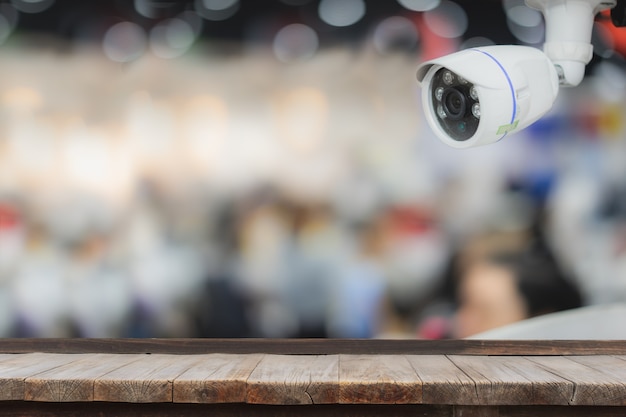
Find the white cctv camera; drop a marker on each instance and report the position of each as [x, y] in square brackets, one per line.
[480, 95]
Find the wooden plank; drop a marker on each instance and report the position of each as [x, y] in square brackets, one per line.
[216, 378]
[73, 381]
[442, 381]
[37, 409]
[148, 379]
[615, 367]
[282, 379]
[14, 370]
[316, 346]
[495, 383]
[591, 386]
[547, 388]
[380, 379]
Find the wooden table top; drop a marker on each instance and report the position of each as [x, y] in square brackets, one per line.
[539, 376]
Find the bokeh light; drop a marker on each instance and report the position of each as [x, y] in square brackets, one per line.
[396, 33]
[295, 42]
[447, 20]
[124, 42]
[341, 12]
[525, 23]
[32, 6]
[171, 38]
[216, 10]
[419, 5]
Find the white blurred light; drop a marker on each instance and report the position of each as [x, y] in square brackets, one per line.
[144, 8]
[295, 42]
[216, 10]
[395, 32]
[419, 5]
[171, 38]
[447, 20]
[341, 12]
[476, 41]
[524, 16]
[609, 81]
[529, 35]
[32, 6]
[124, 42]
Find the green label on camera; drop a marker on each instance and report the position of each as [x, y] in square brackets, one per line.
[507, 128]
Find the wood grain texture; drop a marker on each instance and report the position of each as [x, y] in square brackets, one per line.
[495, 382]
[442, 381]
[148, 379]
[591, 386]
[283, 379]
[216, 378]
[317, 346]
[75, 380]
[547, 388]
[380, 379]
[14, 370]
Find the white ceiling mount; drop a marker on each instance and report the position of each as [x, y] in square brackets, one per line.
[568, 34]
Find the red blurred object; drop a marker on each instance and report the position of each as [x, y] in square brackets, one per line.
[9, 217]
[617, 34]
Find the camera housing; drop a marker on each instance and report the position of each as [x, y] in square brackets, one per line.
[478, 96]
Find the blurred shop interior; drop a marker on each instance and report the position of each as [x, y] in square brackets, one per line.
[241, 168]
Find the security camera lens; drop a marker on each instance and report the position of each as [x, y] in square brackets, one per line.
[455, 104]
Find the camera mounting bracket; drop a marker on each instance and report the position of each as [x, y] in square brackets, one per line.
[568, 34]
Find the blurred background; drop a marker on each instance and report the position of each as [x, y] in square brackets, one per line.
[235, 168]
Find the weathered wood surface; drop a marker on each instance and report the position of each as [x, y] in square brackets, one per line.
[147, 379]
[14, 369]
[73, 381]
[466, 381]
[513, 381]
[283, 379]
[381, 379]
[216, 378]
[443, 381]
[595, 384]
[316, 346]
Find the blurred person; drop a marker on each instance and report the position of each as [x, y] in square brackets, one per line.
[503, 288]
[39, 288]
[358, 295]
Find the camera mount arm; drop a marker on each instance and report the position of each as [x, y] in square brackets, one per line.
[568, 34]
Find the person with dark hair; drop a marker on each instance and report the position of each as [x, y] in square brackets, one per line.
[503, 288]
